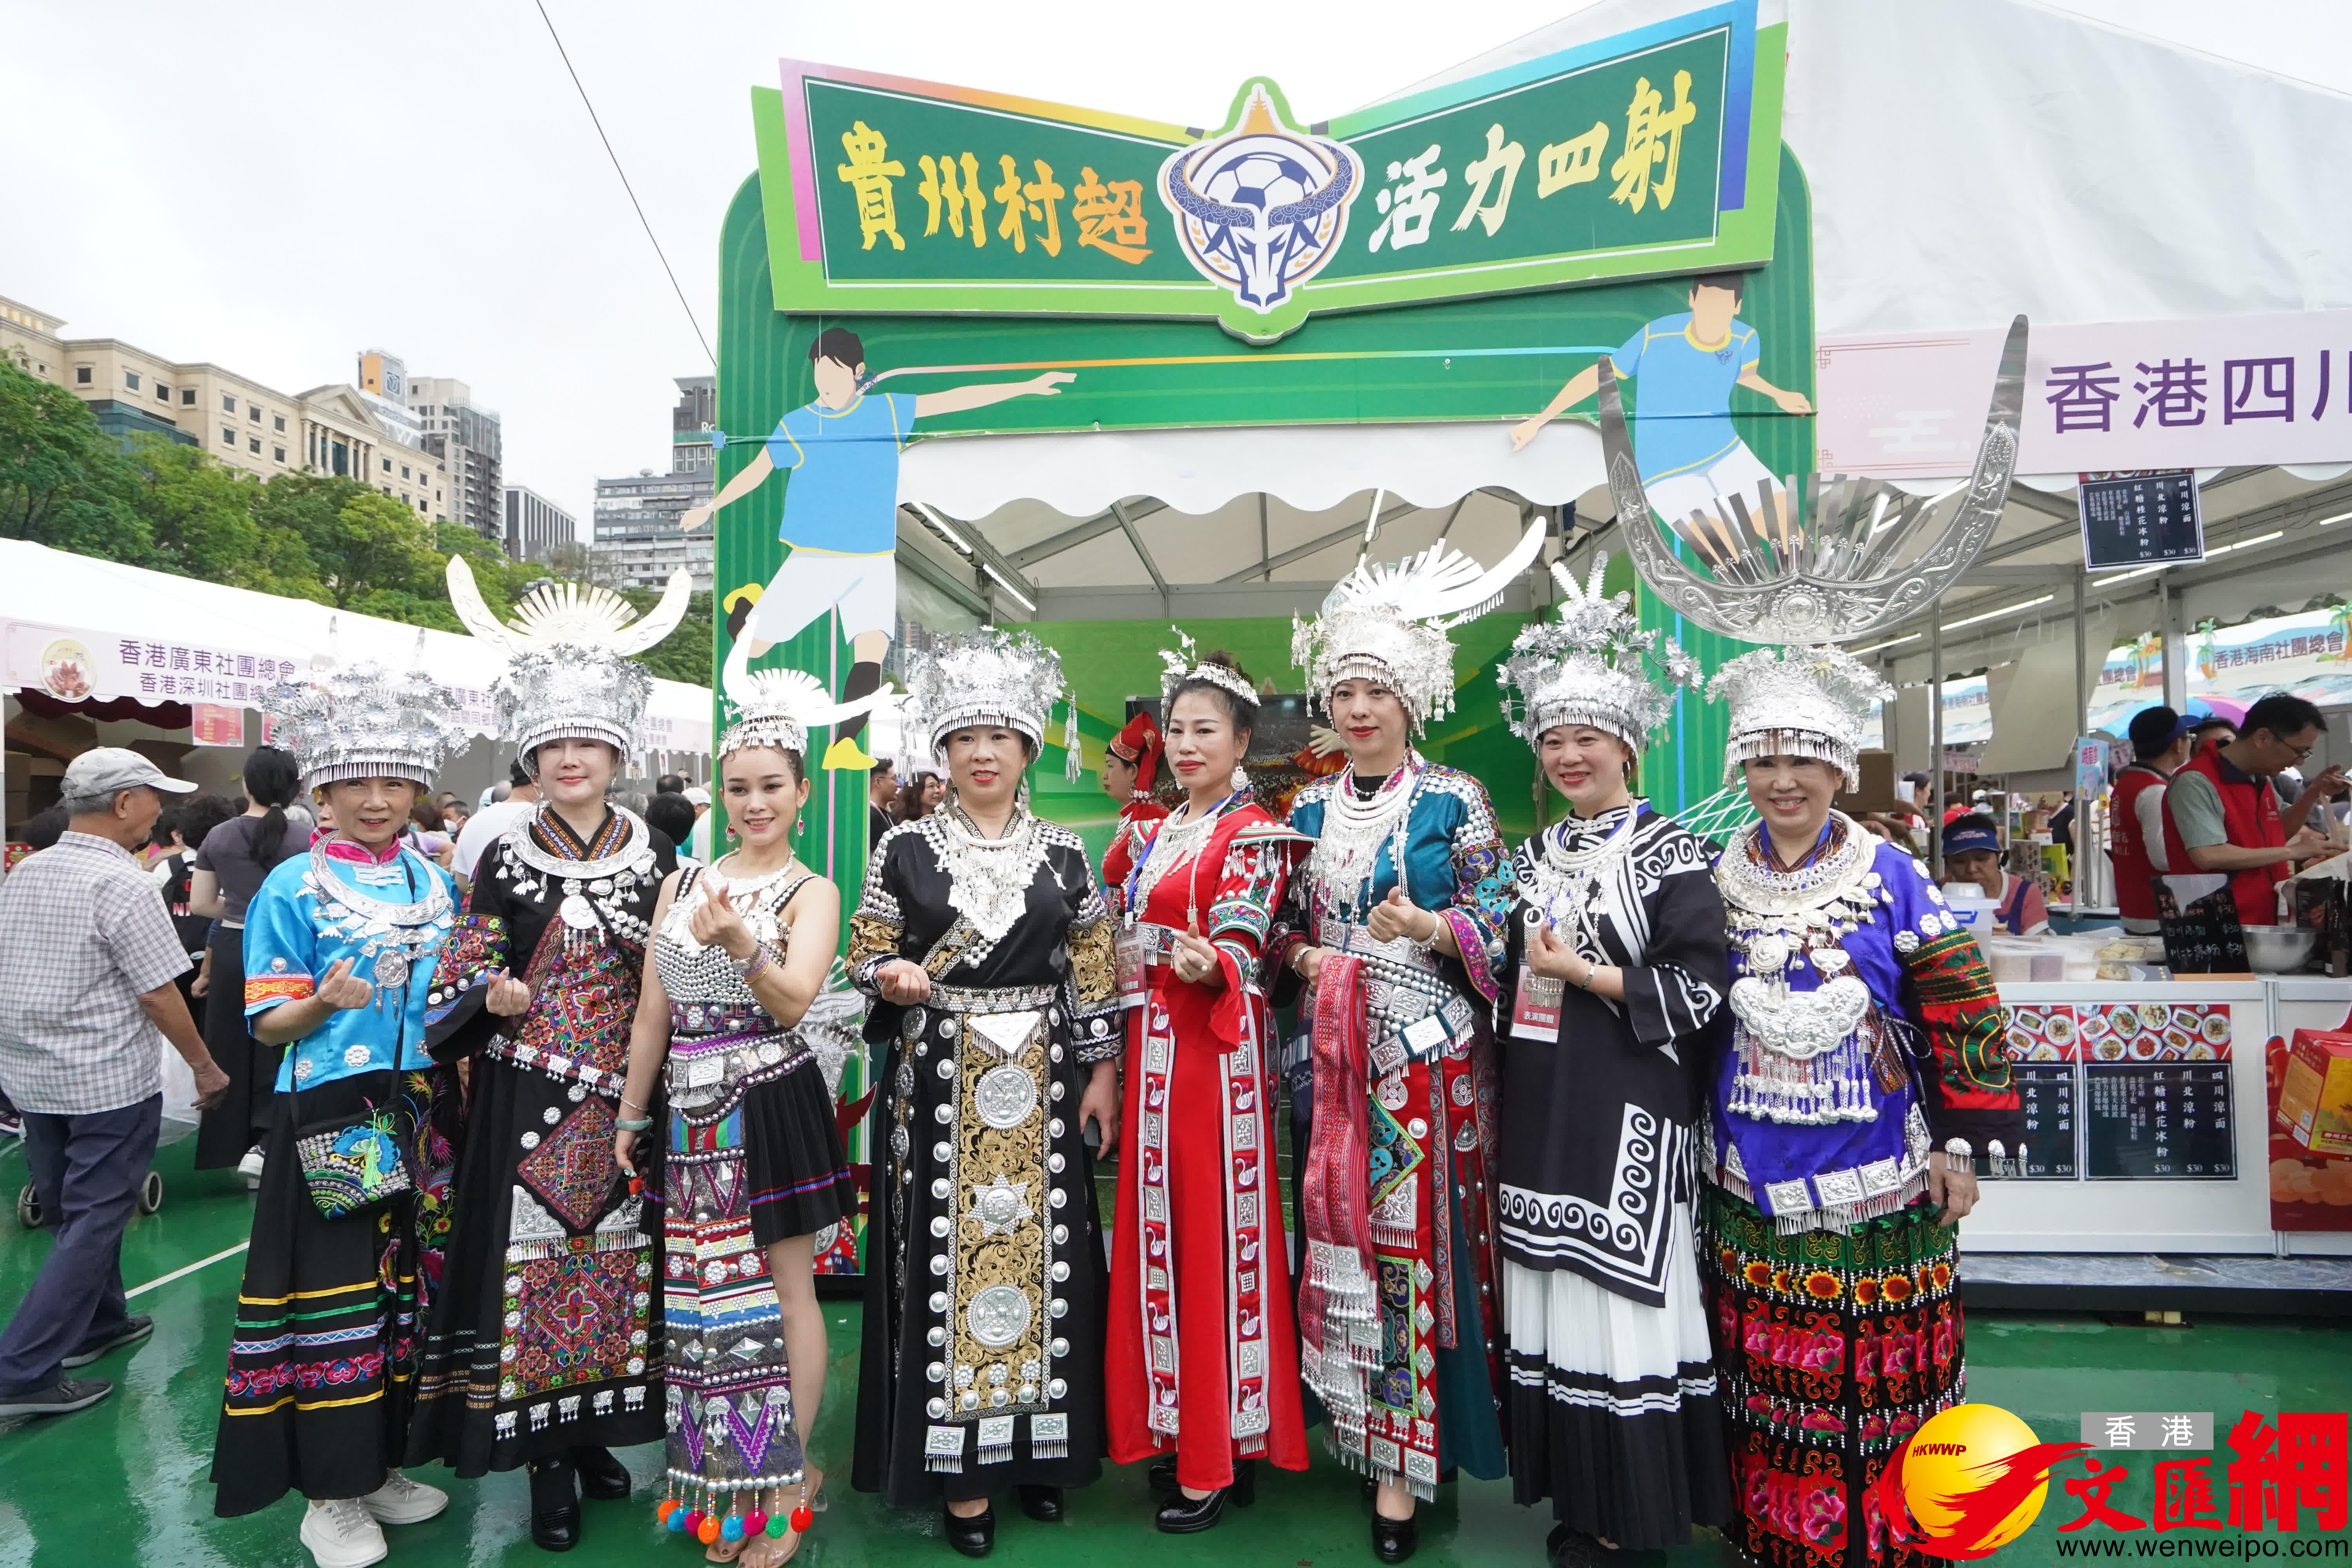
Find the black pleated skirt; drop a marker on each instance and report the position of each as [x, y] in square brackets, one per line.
[797, 1176]
[226, 1132]
[321, 1361]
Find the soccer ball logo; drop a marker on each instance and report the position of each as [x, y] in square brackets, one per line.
[1262, 210]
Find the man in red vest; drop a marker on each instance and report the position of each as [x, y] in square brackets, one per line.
[2221, 810]
[2160, 742]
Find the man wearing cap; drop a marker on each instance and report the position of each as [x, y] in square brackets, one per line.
[2161, 741]
[91, 958]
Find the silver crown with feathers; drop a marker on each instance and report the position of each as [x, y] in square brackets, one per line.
[568, 673]
[1183, 663]
[1388, 622]
[1595, 664]
[1809, 700]
[779, 707]
[366, 720]
[990, 676]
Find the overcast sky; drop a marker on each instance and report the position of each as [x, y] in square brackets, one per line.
[275, 186]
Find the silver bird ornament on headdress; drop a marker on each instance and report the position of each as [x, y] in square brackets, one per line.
[1388, 622]
[1840, 556]
[779, 707]
[1183, 663]
[1593, 665]
[569, 648]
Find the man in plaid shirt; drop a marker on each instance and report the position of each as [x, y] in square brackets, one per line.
[87, 958]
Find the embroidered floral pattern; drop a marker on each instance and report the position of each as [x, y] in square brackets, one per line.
[572, 1167]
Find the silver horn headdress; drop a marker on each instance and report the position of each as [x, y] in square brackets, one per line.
[1595, 664]
[1388, 622]
[1845, 557]
[779, 707]
[569, 672]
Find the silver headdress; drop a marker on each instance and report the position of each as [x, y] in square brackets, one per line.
[1183, 663]
[569, 674]
[1842, 558]
[779, 707]
[367, 720]
[1594, 665]
[1806, 701]
[1388, 622]
[988, 677]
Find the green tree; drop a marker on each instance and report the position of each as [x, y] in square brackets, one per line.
[199, 513]
[63, 481]
[360, 542]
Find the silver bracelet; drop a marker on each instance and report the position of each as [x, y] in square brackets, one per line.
[1959, 1149]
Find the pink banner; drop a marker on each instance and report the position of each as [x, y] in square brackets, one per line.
[2219, 392]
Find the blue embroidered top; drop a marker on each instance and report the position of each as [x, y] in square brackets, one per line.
[1453, 865]
[1889, 1037]
[385, 917]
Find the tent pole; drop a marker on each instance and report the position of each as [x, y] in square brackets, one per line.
[1935, 745]
[2174, 643]
[2080, 847]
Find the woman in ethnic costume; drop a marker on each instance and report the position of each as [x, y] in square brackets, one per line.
[983, 937]
[542, 1348]
[1396, 925]
[1203, 1357]
[1617, 967]
[1130, 773]
[754, 1166]
[353, 1208]
[1865, 1070]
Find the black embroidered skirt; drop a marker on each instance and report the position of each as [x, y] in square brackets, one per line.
[546, 1332]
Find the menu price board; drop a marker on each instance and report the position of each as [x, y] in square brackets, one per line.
[2157, 1121]
[2137, 519]
[2051, 1123]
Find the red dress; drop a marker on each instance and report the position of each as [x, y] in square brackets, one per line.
[1203, 1354]
[1134, 820]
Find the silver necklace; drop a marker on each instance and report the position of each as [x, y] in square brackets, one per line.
[988, 879]
[1565, 877]
[1347, 851]
[1171, 843]
[748, 896]
[392, 933]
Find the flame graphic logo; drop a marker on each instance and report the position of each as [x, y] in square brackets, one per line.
[1968, 1483]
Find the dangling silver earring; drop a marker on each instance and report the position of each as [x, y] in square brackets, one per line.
[1240, 781]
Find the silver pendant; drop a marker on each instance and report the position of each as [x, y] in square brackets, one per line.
[391, 969]
[576, 912]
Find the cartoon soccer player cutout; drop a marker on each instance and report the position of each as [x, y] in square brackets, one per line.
[841, 508]
[1688, 363]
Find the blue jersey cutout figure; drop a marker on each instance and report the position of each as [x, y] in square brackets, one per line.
[841, 510]
[1687, 365]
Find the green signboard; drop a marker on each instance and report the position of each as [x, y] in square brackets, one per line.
[1650, 153]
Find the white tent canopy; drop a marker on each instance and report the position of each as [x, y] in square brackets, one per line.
[45, 592]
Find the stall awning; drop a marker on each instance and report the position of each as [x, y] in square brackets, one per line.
[1312, 467]
[75, 626]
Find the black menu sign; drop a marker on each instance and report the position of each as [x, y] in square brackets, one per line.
[2137, 519]
[2157, 1121]
[2047, 1091]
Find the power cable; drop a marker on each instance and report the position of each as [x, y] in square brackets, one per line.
[615, 157]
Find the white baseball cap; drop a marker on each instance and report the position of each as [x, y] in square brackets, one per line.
[109, 769]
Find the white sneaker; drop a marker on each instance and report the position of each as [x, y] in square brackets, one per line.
[251, 1167]
[342, 1534]
[403, 1502]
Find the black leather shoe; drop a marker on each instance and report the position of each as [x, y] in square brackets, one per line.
[1043, 1504]
[602, 1477]
[555, 1505]
[1569, 1548]
[1161, 1474]
[974, 1537]
[1182, 1515]
[1394, 1540]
